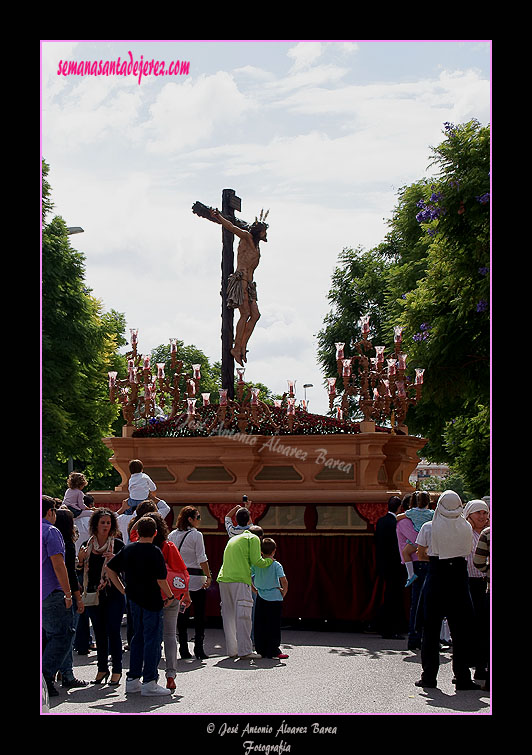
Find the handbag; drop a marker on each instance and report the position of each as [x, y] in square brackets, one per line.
[90, 598]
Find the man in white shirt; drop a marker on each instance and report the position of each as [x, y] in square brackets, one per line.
[243, 519]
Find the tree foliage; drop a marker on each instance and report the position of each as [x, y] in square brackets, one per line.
[79, 346]
[431, 275]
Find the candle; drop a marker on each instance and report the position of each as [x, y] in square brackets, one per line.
[291, 384]
[391, 367]
[191, 406]
[192, 386]
[398, 333]
[387, 386]
[375, 394]
[173, 344]
[379, 350]
[339, 413]
[223, 396]
[197, 372]
[254, 396]
[277, 403]
[303, 404]
[346, 372]
[240, 372]
[134, 333]
[146, 358]
[402, 361]
[364, 323]
[332, 386]
[400, 388]
[419, 375]
[112, 378]
[206, 398]
[339, 350]
[160, 370]
[291, 408]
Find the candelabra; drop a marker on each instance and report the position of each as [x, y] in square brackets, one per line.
[142, 393]
[384, 389]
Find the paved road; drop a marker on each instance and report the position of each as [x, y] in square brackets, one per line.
[329, 676]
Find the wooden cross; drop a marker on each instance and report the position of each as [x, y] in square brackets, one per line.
[230, 203]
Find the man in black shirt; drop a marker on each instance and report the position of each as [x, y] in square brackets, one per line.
[144, 568]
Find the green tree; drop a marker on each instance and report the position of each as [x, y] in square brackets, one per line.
[431, 275]
[79, 345]
[358, 288]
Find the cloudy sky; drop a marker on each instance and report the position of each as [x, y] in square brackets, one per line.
[321, 133]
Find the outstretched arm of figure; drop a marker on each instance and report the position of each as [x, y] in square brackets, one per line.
[216, 215]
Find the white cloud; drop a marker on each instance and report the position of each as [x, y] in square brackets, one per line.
[322, 151]
[188, 113]
[304, 54]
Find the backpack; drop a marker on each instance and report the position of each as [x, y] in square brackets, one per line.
[176, 572]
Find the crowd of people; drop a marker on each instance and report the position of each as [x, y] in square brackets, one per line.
[444, 555]
[99, 565]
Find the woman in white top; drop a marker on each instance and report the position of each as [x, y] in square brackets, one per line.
[189, 542]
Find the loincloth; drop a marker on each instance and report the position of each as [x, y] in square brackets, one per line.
[235, 290]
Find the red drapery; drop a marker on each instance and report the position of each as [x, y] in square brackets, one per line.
[329, 576]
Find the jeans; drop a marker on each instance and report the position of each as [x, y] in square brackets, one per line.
[145, 649]
[83, 638]
[106, 620]
[67, 672]
[57, 633]
[133, 503]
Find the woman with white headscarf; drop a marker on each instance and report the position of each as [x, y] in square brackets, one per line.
[446, 592]
[476, 512]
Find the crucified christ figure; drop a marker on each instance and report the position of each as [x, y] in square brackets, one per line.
[241, 288]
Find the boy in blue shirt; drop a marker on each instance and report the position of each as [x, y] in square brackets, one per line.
[270, 585]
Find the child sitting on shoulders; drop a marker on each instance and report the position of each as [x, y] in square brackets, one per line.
[270, 585]
[140, 485]
[418, 513]
[74, 498]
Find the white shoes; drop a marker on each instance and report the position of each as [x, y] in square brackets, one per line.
[151, 689]
[133, 685]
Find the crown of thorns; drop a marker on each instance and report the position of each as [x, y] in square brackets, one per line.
[262, 217]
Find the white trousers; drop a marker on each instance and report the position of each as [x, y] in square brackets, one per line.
[236, 607]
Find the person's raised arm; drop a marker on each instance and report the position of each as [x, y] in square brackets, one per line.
[240, 232]
[233, 511]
